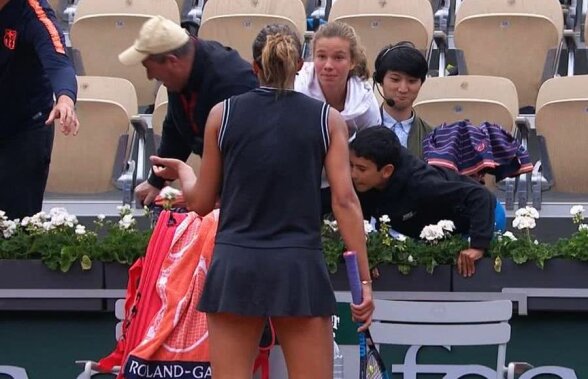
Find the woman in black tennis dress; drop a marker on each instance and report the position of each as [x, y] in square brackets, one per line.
[266, 149]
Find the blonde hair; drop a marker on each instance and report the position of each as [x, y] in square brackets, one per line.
[277, 51]
[346, 32]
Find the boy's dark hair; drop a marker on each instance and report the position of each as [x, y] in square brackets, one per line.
[402, 57]
[377, 144]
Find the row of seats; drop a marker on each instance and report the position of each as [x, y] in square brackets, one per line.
[515, 39]
[106, 106]
[561, 113]
[102, 29]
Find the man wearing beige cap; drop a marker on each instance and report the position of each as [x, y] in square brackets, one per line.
[198, 74]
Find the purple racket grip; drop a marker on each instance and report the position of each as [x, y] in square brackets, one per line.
[353, 276]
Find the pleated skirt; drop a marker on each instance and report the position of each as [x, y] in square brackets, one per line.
[268, 282]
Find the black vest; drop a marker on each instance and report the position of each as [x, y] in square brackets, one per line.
[273, 147]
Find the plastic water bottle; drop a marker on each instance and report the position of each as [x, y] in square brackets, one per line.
[338, 369]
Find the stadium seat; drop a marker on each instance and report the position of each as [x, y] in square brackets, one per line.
[562, 120]
[447, 324]
[85, 164]
[382, 22]
[476, 98]
[103, 29]
[160, 110]
[516, 39]
[157, 124]
[236, 23]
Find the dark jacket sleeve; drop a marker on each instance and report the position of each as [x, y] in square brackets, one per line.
[49, 44]
[472, 200]
[173, 145]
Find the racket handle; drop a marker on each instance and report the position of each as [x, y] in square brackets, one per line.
[353, 276]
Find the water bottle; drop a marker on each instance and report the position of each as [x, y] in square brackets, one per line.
[338, 369]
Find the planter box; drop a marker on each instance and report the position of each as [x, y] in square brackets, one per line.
[557, 273]
[116, 276]
[390, 279]
[33, 274]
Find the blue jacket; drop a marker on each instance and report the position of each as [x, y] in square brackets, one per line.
[33, 65]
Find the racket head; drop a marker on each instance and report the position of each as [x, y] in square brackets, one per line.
[374, 364]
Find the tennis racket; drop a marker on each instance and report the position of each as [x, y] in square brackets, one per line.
[371, 365]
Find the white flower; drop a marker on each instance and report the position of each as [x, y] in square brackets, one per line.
[510, 236]
[410, 259]
[38, 218]
[367, 227]
[58, 219]
[80, 230]
[25, 221]
[71, 220]
[401, 237]
[48, 225]
[101, 217]
[576, 209]
[384, 219]
[536, 242]
[124, 210]
[8, 228]
[126, 222]
[332, 225]
[57, 211]
[432, 233]
[582, 227]
[527, 212]
[447, 225]
[523, 222]
[169, 193]
[2, 215]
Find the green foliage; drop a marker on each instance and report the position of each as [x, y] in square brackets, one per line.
[521, 248]
[16, 247]
[121, 245]
[401, 251]
[333, 246]
[438, 246]
[59, 241]
[575, 247]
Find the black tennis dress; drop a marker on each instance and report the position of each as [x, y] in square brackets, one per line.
[268, 257]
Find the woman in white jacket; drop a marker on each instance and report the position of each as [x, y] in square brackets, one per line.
[338, 75]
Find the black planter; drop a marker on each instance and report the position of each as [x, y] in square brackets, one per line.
[116, 276]
[557, 273]
[33, 274]
[390, 279]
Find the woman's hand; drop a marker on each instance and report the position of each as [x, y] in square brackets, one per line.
[166, 168]
[363, 312]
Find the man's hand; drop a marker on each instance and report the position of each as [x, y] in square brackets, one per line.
[146, 193]
[363, 312]
[64, 111]
[466, 261]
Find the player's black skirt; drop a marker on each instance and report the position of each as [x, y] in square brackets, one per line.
[268, 282]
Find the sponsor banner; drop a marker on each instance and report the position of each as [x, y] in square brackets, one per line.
[140, 369]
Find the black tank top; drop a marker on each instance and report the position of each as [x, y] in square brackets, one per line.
[273, 147]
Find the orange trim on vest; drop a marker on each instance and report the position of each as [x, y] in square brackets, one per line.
[53, 33]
